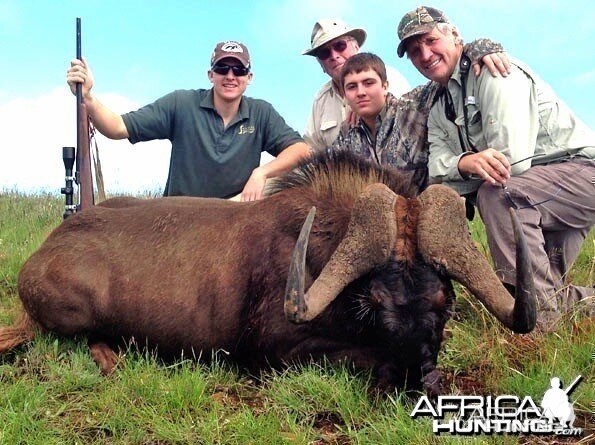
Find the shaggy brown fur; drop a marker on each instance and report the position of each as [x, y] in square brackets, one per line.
[406, 214]
[23, 330]
[189, 274]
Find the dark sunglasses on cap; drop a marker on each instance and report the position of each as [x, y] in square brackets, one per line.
[325, 52]
[223, 69]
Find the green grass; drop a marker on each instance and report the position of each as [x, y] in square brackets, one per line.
[51, 391]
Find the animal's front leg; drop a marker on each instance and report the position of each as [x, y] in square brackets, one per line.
[104, 356]
[361, 358]
[431, 377]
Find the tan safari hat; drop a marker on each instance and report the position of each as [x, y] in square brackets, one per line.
[326, 30]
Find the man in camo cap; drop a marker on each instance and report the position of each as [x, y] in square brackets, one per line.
[508, 143]
[419, 21]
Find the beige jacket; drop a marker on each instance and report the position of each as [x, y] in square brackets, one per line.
[519, 115]
[329, 110]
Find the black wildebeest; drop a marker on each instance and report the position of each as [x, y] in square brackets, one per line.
[184, 274]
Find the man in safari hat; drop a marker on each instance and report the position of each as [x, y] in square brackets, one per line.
[332, 43]
[217, 135]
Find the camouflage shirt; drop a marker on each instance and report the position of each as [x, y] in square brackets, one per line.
[402, 126]
[402, 134]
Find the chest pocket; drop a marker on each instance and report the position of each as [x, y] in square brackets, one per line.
[474, 126]
[325, 125]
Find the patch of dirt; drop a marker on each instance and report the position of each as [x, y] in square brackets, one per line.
[584, 327]
[334, 440]
[328, 424]
[522, 349]
[466, 383]
[237, 397]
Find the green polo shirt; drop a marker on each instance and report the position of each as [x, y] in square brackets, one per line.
[206, 158]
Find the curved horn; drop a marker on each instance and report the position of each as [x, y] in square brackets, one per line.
[525, 310]
[295, 306]
[368, 242]
[444, 241]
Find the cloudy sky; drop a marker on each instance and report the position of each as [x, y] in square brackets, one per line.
[141, 50]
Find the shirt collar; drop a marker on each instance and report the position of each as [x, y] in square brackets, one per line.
[456, 74]
[379, 118]
[382, 114]
[334, 90]
[209, 102]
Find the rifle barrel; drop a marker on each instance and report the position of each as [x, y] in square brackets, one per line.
[79, 101]
[573, 385]
[83, 173]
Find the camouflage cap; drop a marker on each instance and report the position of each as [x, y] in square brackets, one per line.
[416, 22]
[233, 49]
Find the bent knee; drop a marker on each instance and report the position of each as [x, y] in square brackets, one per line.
[489, 196]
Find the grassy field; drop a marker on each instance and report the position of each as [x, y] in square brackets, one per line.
[51, 391]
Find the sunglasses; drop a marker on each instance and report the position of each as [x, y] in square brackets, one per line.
[223, 69]
[325, 52]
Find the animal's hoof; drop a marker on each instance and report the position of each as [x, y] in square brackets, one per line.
[105, 357]
[432, 382]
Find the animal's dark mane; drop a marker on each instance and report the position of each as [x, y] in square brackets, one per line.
[342, 173]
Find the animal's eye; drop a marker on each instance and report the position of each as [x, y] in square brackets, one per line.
[378, 293]
[375, 300]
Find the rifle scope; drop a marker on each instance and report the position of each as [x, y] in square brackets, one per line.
[68, 191]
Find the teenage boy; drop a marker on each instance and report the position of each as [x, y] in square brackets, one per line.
[390, 130]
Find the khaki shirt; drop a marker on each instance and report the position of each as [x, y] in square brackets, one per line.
[519, 115]
[329, 110]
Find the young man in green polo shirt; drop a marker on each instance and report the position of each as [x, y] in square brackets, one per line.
[217, 135]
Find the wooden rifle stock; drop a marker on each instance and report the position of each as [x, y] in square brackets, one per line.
[83, 175]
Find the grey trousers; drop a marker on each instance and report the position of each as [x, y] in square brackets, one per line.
[555, 230]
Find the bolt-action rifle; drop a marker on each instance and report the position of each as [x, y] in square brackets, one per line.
[82, 176]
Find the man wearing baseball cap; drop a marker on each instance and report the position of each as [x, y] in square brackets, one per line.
[508, 143]
[217, 135]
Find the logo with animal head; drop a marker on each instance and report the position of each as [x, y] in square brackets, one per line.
[232, 47]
